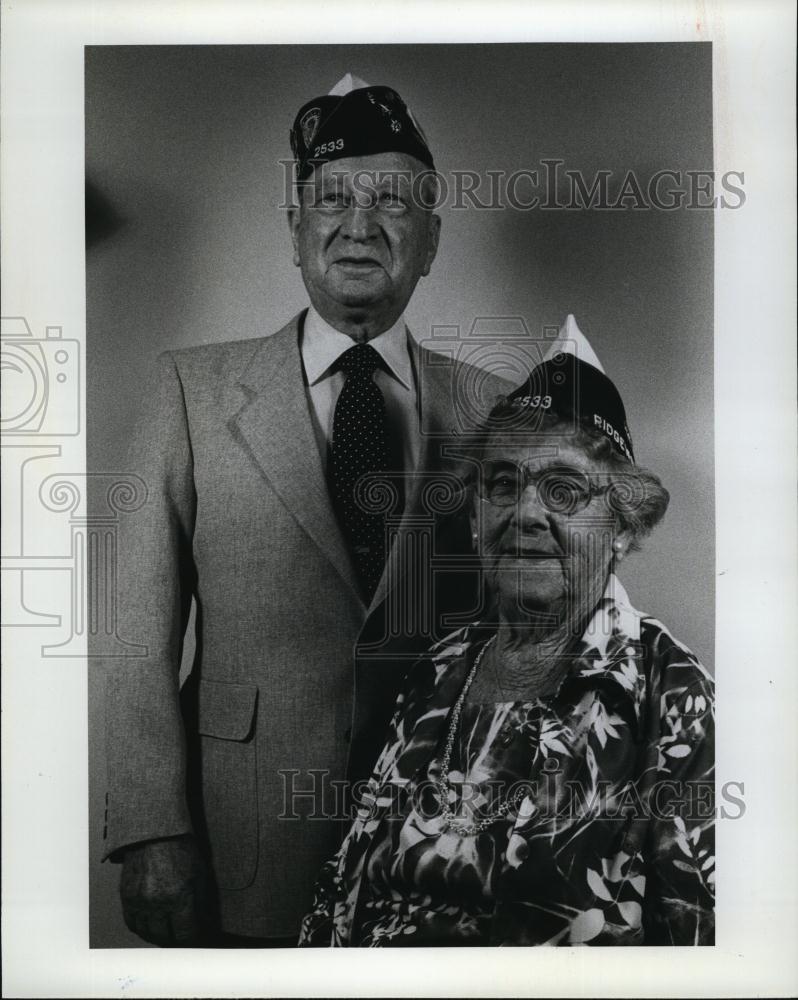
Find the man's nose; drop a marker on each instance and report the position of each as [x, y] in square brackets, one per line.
[359, 221]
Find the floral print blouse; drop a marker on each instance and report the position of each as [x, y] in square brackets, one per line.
[611, 836]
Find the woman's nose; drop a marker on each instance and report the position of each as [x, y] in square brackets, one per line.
[530, 513]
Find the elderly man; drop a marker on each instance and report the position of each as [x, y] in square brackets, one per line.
[222, 796]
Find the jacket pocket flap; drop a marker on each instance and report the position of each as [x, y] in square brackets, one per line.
[226, 710]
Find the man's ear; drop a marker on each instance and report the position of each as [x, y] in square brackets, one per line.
[433, 237]
[293, 227]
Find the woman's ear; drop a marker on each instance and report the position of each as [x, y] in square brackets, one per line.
[621, 544]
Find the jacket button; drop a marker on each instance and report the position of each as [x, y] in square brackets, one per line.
[506, 738]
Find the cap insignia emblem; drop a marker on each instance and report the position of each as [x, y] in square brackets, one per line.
[309, 124]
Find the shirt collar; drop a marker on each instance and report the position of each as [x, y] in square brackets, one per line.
[323, 345]
[611, 647]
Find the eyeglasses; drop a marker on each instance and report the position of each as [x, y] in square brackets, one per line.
[560, 491]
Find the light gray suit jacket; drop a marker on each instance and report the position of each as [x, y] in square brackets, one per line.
[238, 517]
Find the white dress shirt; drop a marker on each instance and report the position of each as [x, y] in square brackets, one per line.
[321, 347]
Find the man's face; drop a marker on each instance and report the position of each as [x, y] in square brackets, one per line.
[363, 239]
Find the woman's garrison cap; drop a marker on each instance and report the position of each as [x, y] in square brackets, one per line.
[571, 383]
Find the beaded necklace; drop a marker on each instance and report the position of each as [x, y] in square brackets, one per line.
[449, 821]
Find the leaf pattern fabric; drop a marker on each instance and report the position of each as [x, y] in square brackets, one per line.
[613, 838]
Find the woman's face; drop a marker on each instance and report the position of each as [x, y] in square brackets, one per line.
[545, 538]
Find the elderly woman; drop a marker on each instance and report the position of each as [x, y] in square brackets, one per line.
[548, 774]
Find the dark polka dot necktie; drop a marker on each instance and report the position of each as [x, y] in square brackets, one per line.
[360, 445]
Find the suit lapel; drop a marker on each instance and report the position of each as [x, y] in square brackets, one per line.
[276, 425]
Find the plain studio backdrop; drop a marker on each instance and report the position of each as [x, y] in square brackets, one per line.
[189, 244]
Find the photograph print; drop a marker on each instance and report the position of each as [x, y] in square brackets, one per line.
[399, 379]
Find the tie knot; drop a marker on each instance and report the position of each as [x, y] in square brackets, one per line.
[361, 359]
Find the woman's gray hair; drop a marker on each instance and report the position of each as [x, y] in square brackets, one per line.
[635, 495]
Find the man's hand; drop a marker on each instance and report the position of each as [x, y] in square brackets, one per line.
[164, 892]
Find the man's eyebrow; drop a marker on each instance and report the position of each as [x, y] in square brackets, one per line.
[501, 463]
[391, 180]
